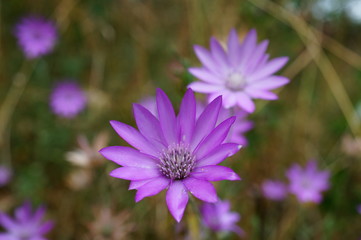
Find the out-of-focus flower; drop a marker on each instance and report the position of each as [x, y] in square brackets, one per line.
[308, 183]
[108, 225]
[218, 217]
[358, 208]
[351, 146]
[36, 36]
[27, 225]
[86, 157]
[5, 175]
[274, 190]
[67, 99]
[241, 73]
[175, 152]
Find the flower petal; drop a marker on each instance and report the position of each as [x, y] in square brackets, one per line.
[219, 154]
[177, 199]
[206, 58]
[187, 115]
[205, 75]
[269, 68]
[205, 87]
[248, 45]
[134, 138]
[152, 188]
[261, 94]
[46, 227]
[201, 189]
[233, 48]
[128, 157]
[138, 184]
[7, 222]
[215, 173]
[245, 102]
[134, 173]
[270, 83]
[167, 117]
[220, 56]
[206, 121]
[215, 138]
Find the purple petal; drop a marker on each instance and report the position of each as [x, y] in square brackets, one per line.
[205, 75]
[206, 121]
[233, 48]
[269, 68]
[270, 83]
[167, 117]
[229, 99]
[148, 125]
[23, 213]
[46, 227]
[261, 94]
[134, 173]
[152, 188]
[7, 222]
[201, 189]
[245, 102]
[215, 173]
[219, 55]
[138, 184]
[134, 138]
[256, 57]
[206, 58]
[177, 199]
[215, 138]
[128, 157]
[219, 154]
[248, 46]
[39, 214]
[205, 87]
[187, 115]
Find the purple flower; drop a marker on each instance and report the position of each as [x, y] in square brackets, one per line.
[358, 208]
[5, 175]
[274, 190]
[36, 36]
[27, 225]
[218, 217]
[308, 183]
[240, 73]
[175, 152]
[67, 99]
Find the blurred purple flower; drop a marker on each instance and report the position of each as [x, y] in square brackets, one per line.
[36, 36]
[5, 175]
[274, 190]
[67, 99]
[175, 152]
[358, 208]
[26, 225]
[240, 73]
[218, 217]
[308, 183]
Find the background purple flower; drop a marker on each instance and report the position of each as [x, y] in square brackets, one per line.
[5, 175]
[274, 190]
[36, 36]
[218, 217]
[180, 153]
[27, 225]
[240, 73]
[358, 208]
[67, 99]
[308, 183]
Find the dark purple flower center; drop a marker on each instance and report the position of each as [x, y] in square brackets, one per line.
[176, 162]
[235, 81]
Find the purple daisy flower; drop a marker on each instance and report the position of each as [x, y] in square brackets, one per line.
[175, 152]
[27, 225]
[5, 175]
[308, 183]
[274, 190]
[218, 217]
[36, 36]
[67, 99]
[240, 73]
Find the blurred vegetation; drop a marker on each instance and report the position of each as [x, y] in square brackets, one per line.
[120, 51]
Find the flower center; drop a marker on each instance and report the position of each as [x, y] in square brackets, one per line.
[235, 81]
[176, 162]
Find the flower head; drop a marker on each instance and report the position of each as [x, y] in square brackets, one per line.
[67, 99]
[240, 73]
[36, 36]
[26, 225]
[180, 153]
[274, 190]
[218, 217]
[308, 183]
[5, 175]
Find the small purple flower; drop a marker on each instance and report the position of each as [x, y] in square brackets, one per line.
[180, 153]
[274, 190]
[36, 36]
[5, 175]
[218, 217]
[240, 73]
[308, 183]
[67, 99]
[27, 225]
